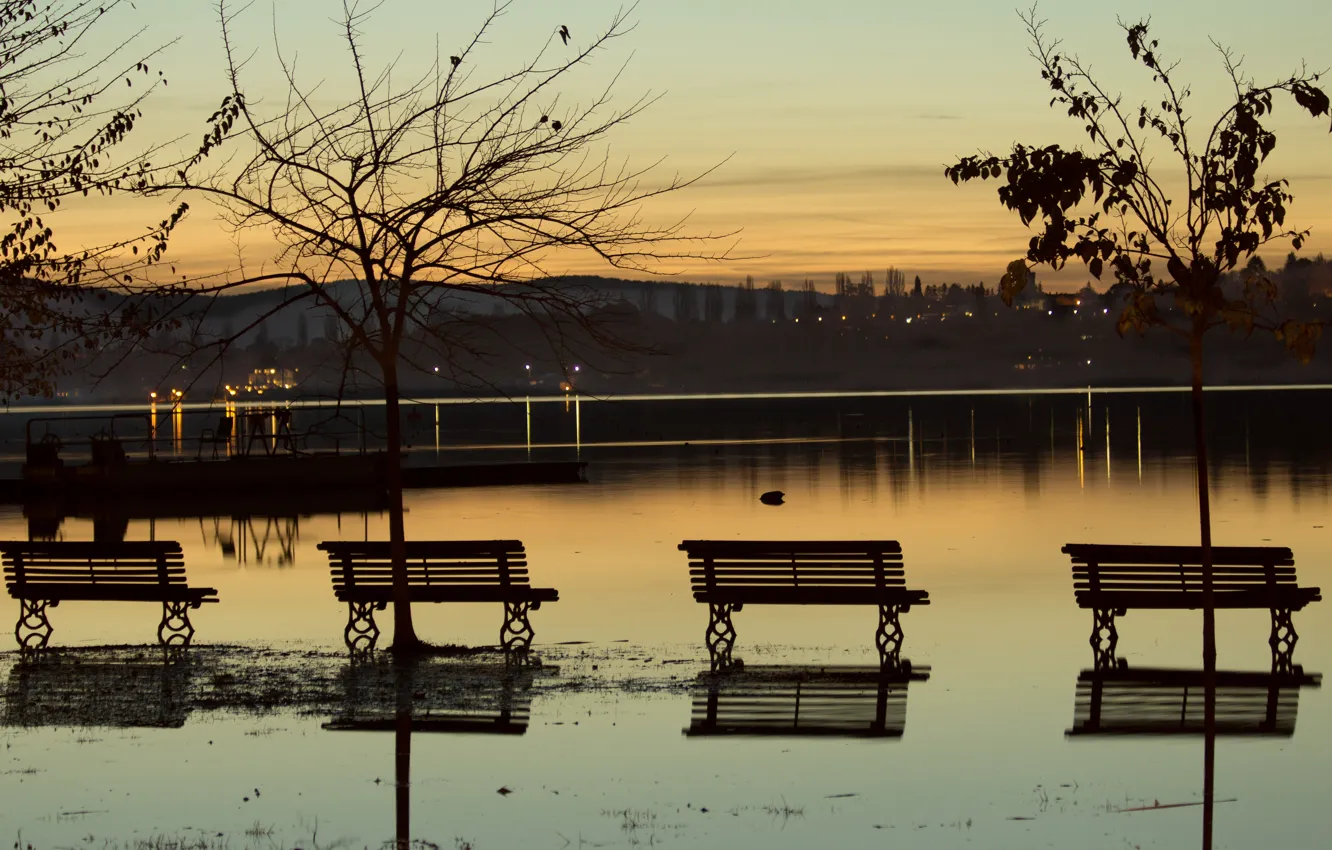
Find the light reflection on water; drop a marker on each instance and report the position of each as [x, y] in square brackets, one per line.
[981, 506]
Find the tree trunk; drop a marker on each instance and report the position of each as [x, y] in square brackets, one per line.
[1209, 603]
[405, 641]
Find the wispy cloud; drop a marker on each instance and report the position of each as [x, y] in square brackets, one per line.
[820, 176]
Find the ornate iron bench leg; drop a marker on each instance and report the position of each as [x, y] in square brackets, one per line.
[516, 634]
[1283, 640]
[33, 629]
[888, 638]
[1104, 637]
[721, 634]
[175, 629]
[361, 633]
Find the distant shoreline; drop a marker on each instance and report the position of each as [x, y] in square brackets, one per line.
[115, 407]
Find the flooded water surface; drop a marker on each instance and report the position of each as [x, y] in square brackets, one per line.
[995, 731]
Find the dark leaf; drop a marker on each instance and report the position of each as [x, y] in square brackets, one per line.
[1013, 282]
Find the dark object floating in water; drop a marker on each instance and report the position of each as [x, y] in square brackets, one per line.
[772, 497]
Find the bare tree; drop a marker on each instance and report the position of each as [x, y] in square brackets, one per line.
[62, 122]
[411, 194]
[1113, 205]
[896, 283]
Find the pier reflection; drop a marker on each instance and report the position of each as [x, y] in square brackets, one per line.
[250, 539]
[264, 528]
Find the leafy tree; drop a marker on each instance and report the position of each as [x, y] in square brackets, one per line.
[63, 120]
[408, 191]
[1112, 206]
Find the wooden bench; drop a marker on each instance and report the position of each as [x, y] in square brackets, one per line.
[1112, 579]
[727, 575]
[1171, 702]
[437, 571]
[42, 575]
[846, 702]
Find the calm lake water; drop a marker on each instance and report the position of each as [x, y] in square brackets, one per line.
[981, 492]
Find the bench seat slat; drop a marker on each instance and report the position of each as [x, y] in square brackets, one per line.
[1294, 598]
[759, 581]
[113, 593]
[812, 596]
[779, 557]
[449, 593]
[798, 571]
[798, 566]
[386, 581]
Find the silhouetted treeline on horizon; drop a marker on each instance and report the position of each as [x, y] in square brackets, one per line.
[871, 332]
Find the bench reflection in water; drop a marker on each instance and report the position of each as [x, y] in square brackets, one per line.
[852, 702]
[439, 696]
[102, 693]
[1172, 702]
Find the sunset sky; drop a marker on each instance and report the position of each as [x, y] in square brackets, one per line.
[835, 119]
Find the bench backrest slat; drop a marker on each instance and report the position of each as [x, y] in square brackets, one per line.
[451, 562]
